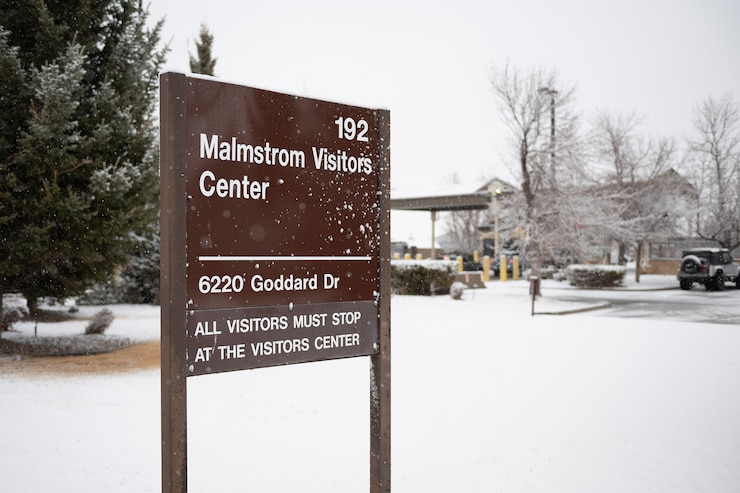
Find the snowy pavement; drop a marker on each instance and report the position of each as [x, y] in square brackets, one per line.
[485, 398]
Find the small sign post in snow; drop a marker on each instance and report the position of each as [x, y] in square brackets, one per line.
[274, 225]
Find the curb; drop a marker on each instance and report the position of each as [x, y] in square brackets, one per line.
[577, 310]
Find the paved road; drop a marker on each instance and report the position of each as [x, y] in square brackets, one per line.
[697, 305]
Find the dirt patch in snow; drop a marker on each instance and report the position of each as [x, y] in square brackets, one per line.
[138, 356]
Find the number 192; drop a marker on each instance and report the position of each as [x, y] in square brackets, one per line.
[349, 129]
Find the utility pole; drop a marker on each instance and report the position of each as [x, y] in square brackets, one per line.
[552, 93]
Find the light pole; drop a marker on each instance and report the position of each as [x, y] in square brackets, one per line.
[552, 93]
[433, 253]
[495, 195]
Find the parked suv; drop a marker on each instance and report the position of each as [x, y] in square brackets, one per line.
[708, 266]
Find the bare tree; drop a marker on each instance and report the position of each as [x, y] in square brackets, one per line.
[462, 229]
[715, 150]
[645, 197]
[462, 226]
[628, 156]
[543, 131]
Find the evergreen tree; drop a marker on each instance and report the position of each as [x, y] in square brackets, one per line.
[13, 96]
[78, 148]
[205, 62]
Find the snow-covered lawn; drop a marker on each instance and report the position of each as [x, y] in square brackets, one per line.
[485, 398]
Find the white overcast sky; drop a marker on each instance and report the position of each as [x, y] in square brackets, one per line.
[429, 62]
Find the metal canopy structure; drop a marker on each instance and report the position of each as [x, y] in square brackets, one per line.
[459, 202]
[485, 197]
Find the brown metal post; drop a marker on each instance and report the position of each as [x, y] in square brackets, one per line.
[380, 378]
[173, 89]
[534, 289]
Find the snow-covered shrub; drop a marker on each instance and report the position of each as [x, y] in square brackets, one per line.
[422, 277]
[99, 322]
[103, 293]
[138, 280]
[131, 286]
[456, 290]
[67, 345]
[595, 276]
[9, 317]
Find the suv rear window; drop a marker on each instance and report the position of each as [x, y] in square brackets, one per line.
[714, 258]
[701, 254]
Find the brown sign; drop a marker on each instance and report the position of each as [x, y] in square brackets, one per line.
[275, 227]
[239, 338]
[282, 199]
[282, 213]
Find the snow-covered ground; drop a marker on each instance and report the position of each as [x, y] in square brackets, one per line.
[485, 398]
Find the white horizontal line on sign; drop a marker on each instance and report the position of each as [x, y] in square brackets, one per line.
[238, 258]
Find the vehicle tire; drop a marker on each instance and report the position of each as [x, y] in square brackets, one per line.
[737, 282]
[717, 283]
[686, 284]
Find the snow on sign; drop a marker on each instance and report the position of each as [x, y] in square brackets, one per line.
[282, 226]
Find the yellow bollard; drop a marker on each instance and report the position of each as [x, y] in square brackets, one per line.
[397, 256]
[502, 269]
[486, 268]
[459, 264]
[419, 256]
[516, 267]
[407, 256]
[476, 256]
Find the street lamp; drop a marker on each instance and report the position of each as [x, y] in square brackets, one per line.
[552, 93]
[433, 253]
[495, 195]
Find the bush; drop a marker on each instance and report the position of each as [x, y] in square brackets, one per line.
[596, 276]
[422, 277]
[457, 290]
[125, 289]
[137, 282]
[70, 345]
[99, 322]
[9, 317]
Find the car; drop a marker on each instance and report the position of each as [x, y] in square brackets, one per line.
[468, 261]
[472, 266]
[510, 254]
[711, 267]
